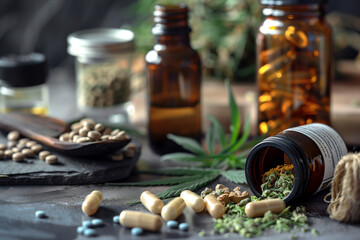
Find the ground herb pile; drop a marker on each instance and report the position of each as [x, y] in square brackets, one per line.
[278, 182]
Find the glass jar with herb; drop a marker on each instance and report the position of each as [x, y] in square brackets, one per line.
[174, 80]
[294, 65]
[103, 68]
[23, 85]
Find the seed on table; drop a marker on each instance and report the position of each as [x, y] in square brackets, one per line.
[40, 214]
[2, 147]
[83, 132]
[152, 202]
[147, 221]
[183, 226]
[8, 153]
[136, 231]
[105, 137]
[23, 141]
[97, 222]
[172, 224]
[94, 135]
[27, 152]
[11, 144]
[51, 159]
[107, 131]
[117, 157]
[99, 127]
[18, 157]
[30, 143]
[44, 154]
[173, 209]
[83, 140]
[13, 136]
[88, 232]
[65, 137]
[36, 148]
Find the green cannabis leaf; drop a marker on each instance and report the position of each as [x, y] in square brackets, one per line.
[235, 176]
[233, 149]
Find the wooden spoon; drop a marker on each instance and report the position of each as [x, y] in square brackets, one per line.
[45, 130]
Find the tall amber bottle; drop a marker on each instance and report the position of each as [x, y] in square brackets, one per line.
[174, 80]
[295, 65]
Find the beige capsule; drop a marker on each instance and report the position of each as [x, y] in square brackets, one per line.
[92, 202]
[13, 136]
[192, 200]
[83, 140]
[258, 209]
[151, 202]
[146, 221]
[2, 147]
[36, 148]
[173, 209]
[18, 157]
[214, 206]
[27, 152]
[51, 159]
[11, 144]
[8, 153]
[44, 154]
[94, 135]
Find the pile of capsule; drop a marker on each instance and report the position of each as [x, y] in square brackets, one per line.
[18, 149]
[88, 131]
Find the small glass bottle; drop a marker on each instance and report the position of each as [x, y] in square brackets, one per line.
[313, 149]
[103, 71]
[23, 85]
[295, 65]
[174, 80]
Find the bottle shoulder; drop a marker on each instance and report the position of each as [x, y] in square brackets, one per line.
[172, 55]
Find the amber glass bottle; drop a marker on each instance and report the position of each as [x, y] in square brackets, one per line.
[295, 65]
[174, 80]
[313, 150]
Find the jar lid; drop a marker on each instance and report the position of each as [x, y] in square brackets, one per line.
[23, 70]
[100, 43]
[291, 2]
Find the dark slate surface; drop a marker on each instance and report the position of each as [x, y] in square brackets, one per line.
[69, 170]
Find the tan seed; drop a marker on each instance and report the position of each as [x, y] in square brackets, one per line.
[13, 136]
[83, 140]
[30, 143]
[71, 135]
[18, 157]
[94, 135]
[120, 136]
[89, 124]
[15, 149]
[87, 121]
[83, 132]
[20, 146]
[11, 144]
[65, 137]
[51, 159]
[117, 157]
[44, 154]
[27, 152]
[76, 127]
[2, 146]
[107, 131]
[8, 153]
[105, 137]
[99, 127]
[115, 132]
[36, 148]
[23, 141]
[75, 138]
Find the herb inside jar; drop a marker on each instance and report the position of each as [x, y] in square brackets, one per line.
[278, 182]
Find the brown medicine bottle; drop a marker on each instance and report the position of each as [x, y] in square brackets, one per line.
[174, 80]
[294, 65]
[313, 149]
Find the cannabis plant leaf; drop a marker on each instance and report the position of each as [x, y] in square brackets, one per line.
[188, 144]
[235, 117]
[160, 182]
[183, 157]
[219, 134]
[235, 176]
[192, 186]
[180, 171]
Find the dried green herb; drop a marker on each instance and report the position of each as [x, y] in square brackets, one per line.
[278, 182]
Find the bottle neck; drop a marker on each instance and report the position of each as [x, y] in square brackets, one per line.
[173, 40]
[294, 11]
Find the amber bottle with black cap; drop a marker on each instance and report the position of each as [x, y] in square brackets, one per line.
[294, 65]
[174, 80]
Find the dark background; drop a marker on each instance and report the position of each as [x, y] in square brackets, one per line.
[43, 25]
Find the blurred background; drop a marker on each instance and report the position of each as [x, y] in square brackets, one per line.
[223, 30]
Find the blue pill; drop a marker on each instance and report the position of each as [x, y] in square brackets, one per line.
[80, 230]
[172, 224]
[97, 222]
[89, 232]
[40, 214]
[184, 226]
[87, 224]
[116, 219]
[136, 231]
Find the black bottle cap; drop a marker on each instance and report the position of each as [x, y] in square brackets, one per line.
[291, 2]
[23, 70]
